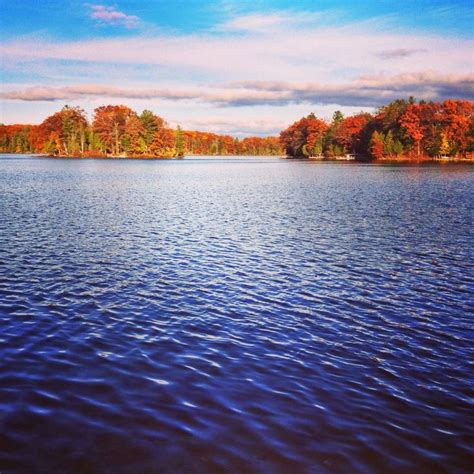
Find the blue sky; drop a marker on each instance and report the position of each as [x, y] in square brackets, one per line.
[66, 19]
[235, 67]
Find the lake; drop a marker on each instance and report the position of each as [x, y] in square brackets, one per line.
[235, 315]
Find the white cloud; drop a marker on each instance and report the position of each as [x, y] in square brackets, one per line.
[329, 54]
[282, 60]
[106, 15]
[268, 22]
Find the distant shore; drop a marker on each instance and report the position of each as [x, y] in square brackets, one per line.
[394, 159]
[340, 159]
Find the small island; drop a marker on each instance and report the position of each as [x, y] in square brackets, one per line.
[116, 131]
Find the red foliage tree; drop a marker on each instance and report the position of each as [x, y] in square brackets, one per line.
[134, 135]
[349, 131]
[376, 146]
[457, 117]
[412, 125]
[304, 137]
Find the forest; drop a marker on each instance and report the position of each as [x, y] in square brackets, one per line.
[402, 129]
[118, 131]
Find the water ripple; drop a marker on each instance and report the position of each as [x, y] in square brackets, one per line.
[235, 315]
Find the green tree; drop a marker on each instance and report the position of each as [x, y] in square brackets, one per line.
[179, 142]
[152, 124]
[337, 117]
[389, 143]
[398, 147]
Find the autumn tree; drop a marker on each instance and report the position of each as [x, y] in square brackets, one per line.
[64, 133]
[163, 143]
[412, 126]
[444, 147]
[18, 138]
[304, 137]
[457, 118]
[315, 130]
[377, 145]
[109, 123]
[35, 139]
[133, 140]
[349, 133]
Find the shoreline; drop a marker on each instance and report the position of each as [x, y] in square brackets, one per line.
[135, 157]
[403, 160]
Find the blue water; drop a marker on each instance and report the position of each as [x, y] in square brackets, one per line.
[235, 315]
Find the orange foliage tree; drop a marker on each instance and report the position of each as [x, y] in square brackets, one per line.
[304, 137]
[109, 123]
[457, 119]
[18, 138]
[63, 133]
[376, 146]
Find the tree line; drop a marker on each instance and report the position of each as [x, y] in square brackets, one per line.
[402, 129]
[117, 130]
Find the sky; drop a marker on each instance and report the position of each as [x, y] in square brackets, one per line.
[235, 67]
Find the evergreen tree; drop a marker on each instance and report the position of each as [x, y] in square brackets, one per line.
[337, 117]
